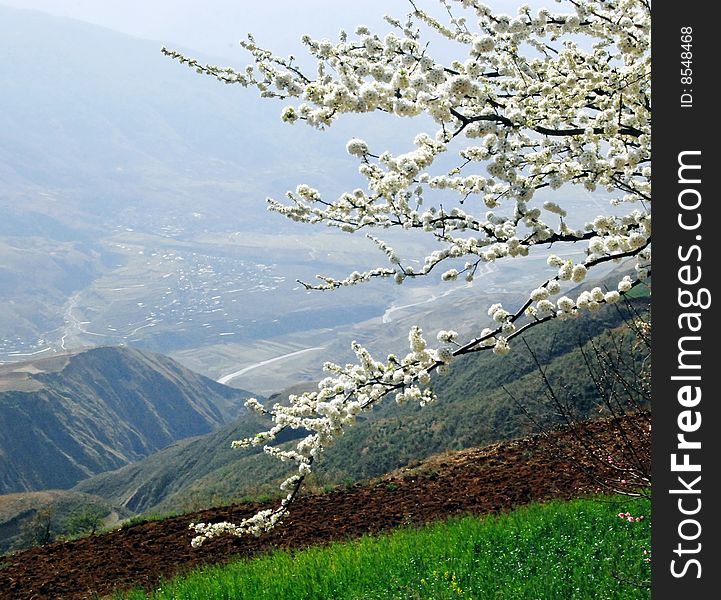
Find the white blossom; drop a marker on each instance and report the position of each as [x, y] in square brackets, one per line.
[530, 104]
[357, 147]
[565, 272]
[545, 307]
[565, 304]
[289, 115]
[501, 347]
[612, 297]
[578, 274]
[447, 336]
[554, 208]
[625, 284]
[597, 294]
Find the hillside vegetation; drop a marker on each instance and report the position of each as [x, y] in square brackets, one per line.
[33, 518]
[483, 400]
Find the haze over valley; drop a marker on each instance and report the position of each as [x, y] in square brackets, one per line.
[132, 194]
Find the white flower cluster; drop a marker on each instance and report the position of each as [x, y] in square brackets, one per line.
[560, 114]
[256, 525]
[357, 147]
[348, 391]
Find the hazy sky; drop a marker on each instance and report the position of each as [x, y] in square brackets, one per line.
[215, 26]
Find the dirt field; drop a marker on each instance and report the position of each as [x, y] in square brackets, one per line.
[483, 480]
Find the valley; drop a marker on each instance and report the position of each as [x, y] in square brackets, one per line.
[144, 223]
[221, 303]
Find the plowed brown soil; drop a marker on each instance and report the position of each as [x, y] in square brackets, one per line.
[483, 480]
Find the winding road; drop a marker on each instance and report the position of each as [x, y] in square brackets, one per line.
[230, 376]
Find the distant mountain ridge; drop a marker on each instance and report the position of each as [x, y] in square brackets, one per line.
[71, 416]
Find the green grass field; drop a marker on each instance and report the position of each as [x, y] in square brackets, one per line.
[561, 550]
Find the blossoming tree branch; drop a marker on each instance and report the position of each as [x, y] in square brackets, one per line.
[537, 100]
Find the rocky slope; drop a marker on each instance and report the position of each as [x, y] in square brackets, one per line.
[65, 418]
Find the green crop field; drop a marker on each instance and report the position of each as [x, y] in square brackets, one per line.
[575, 550]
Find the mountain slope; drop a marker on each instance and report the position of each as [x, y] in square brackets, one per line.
[479, 403]
[173, 471]
[86, 104]
[33, 518]
[68, 417]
